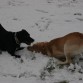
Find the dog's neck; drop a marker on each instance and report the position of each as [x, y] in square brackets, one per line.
[16, 39]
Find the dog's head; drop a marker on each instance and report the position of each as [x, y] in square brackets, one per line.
[24, 37]
[39, 47]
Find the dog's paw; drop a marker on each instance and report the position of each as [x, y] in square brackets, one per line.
[17, 56]
[58, 62]
[62, 63]
[21, 48]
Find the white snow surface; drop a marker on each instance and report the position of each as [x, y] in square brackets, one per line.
[44, 20]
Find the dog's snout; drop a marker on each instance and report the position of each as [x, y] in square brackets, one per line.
[33, 40]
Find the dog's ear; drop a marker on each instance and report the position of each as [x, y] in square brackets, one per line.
[1, 27]
[23, 30]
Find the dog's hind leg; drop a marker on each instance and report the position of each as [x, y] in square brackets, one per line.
[68, 60]
[57, 53]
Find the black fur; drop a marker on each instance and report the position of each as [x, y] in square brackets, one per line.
[10, 41]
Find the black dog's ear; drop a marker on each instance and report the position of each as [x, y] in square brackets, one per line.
[1, 27]
[23, 29]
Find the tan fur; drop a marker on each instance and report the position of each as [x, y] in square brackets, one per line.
[39, 47]
[63, 47]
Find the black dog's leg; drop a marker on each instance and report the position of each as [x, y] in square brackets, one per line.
[13, 54]
[21, 48]
[17, 56]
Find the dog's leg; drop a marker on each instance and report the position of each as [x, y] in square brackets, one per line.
[17, 56]
[21, 48]
[12, 52]
[68, 60]
[57, 53]
[48, 53]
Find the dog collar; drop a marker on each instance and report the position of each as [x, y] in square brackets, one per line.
[16, 39]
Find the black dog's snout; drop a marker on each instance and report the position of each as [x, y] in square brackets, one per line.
[33, 40]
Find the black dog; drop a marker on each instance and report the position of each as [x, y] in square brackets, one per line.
[10, 41]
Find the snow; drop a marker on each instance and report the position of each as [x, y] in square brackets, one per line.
[44, 20]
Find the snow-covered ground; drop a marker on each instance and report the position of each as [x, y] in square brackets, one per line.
[44, 20]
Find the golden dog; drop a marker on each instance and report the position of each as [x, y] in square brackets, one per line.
[64, 47]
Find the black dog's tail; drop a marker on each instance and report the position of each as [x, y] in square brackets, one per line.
[1, 28]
